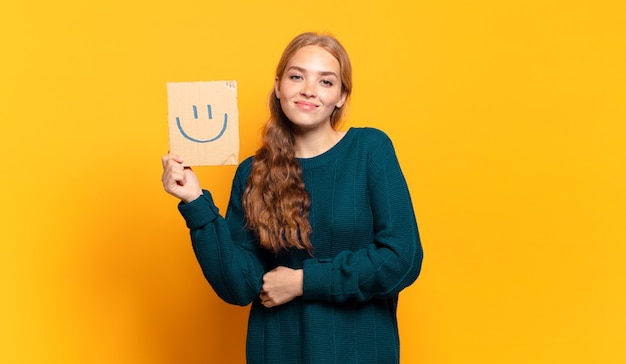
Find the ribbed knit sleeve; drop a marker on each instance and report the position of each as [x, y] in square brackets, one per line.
[225, 250]
[391, 261]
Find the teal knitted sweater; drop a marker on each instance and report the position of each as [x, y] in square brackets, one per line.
[366, 250]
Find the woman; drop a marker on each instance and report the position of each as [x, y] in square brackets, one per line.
[320, 234]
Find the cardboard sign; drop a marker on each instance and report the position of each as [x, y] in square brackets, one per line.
[204, 122]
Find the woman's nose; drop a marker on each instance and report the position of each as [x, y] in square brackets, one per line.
[308, 90]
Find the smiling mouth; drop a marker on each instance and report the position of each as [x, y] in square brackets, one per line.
[187, 136]
[306, 105]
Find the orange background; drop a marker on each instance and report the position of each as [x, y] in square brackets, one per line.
[509, 119]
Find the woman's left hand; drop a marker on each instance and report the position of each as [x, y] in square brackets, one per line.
[281, 285]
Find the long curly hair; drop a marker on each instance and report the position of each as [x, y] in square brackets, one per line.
[275, 201]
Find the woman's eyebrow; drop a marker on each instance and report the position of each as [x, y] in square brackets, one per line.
[323, 73]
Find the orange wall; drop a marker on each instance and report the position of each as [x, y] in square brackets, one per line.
[509, 119]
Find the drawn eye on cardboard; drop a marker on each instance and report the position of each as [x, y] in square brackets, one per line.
[203, 122]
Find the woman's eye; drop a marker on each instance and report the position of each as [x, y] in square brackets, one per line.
[295, 77]
[327, 83]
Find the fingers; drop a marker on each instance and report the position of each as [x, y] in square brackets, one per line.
[174, 177]
[265, 300]
[280, 285]
[172, 167]
[170, 156]
[178, 180]
[268, 286]
[173, 172]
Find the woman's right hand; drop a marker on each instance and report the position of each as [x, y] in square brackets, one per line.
[179, 181]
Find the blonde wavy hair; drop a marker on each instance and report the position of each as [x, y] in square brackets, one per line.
[275, 201]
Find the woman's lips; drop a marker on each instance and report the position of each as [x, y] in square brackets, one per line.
[307, 106]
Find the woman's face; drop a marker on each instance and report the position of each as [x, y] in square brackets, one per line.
[310, 88]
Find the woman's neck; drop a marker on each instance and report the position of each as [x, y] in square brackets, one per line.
[315, 142]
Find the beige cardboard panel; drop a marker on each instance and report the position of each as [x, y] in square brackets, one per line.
[203, 121]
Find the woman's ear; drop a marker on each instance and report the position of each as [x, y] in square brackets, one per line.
[342, 100]
[276, 88]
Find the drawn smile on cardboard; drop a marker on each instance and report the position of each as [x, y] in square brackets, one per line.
[195, 116]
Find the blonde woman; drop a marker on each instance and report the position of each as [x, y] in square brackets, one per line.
[320, 234]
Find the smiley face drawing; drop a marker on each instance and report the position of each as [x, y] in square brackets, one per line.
[210, 117]
[203, 122]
